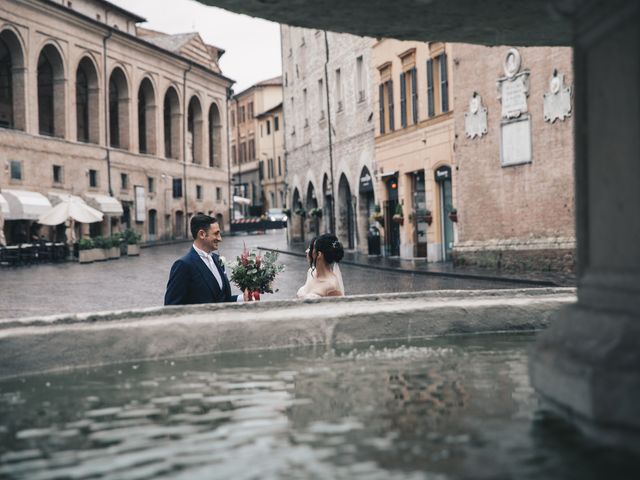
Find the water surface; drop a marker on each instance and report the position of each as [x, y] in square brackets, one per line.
[447, 408]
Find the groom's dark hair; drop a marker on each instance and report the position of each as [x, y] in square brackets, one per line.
[201, 222]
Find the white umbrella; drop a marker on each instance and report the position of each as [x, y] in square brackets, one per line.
[71, 208]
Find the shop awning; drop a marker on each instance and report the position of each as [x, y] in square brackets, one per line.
[4, 206]
[106, 204]
[241, 200]
[25, 205]
[58, 197]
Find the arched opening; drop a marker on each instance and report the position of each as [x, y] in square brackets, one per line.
[445, 198]
[194, 131]
[152, 224]
[178, 228]
[311, 206]
[118, 109]
[215, 137]
[12, 82]
[366, 203]
[51, 93]
[87, 98]
[146, 117]
[297, 220]
[345, 225]
[327, 205]
[171, 122]
[391, 228]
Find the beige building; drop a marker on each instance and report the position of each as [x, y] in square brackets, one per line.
[129, 119]
[414, 140]
[271, 152]
[247, 163]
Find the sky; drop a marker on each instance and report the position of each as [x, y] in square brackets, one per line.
[252, 45]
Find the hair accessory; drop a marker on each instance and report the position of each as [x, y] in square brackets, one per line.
[335, 244]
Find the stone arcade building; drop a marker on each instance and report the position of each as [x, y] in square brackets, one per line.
[131, 120]
[329, 134]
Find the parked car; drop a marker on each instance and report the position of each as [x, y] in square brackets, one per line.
[276, 214]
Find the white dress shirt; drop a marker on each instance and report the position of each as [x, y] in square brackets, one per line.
[208, 261]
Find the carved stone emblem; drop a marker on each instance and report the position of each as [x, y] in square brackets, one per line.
[557, 102]
[513, 88]
[475, 120]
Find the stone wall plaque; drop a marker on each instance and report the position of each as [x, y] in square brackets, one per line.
[557, 101]
[513, 88]
[475, 120]
[515, 144]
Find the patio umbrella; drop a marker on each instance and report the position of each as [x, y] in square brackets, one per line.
[71, 208]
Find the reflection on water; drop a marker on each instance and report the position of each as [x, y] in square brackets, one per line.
[435, 409]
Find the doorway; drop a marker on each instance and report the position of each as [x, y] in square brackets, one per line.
[443, 179]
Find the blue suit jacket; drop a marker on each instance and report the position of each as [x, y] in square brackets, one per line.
[190, 281]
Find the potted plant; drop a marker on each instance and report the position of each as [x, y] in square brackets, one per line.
[286, 211]
[85, 250]
[428, 217]
[132, 238]
[316, 212]
[398, 217]
[114, 251]
[453, 215]
[301, 211]
[101, 245]
[377, 215]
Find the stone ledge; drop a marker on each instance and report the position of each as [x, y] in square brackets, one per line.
[37, 345]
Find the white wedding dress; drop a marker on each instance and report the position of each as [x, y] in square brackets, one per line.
[303, 290]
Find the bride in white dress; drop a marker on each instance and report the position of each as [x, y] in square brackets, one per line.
[324, 278]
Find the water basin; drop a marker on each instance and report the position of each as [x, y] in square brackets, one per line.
[442, 408]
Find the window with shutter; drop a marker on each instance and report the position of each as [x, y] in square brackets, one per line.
[403, 101]
[381, 91]
[431, 111]
[444, 83]
[414, 95]
[390, 99]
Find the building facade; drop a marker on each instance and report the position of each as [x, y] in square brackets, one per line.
[271, 152]
[128, 119]
[247, 145]
[329, 139]
[514, 154]
[415, 162]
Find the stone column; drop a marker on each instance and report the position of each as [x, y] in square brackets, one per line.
[588, 362]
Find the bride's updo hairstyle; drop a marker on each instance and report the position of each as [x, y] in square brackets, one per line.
[330, 247]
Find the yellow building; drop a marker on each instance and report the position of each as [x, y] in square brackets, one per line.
[414, 163]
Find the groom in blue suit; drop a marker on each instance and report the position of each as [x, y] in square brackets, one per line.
[199, 276]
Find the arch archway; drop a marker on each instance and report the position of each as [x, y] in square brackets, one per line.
[366, 203]
[345, 219]
[327, 204]
[51, 92]
[146, 117]
[87, 102]
[171, 124]
[118, 109]
[297, 221]
[194, 131]
[215, 136]
[12, 81]
[311, 205]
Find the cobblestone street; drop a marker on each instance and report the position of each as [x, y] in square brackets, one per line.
[137, 282]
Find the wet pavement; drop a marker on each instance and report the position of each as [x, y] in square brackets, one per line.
[138, 282]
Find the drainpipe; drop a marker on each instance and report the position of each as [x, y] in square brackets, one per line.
[239, 156]
[184, 148]
[229, 95]
[332, 217]
[273, 160]
[107, 131]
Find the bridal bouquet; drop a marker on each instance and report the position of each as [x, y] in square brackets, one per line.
[255, 272]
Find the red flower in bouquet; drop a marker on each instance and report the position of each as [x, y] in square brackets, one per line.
[255, 272]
